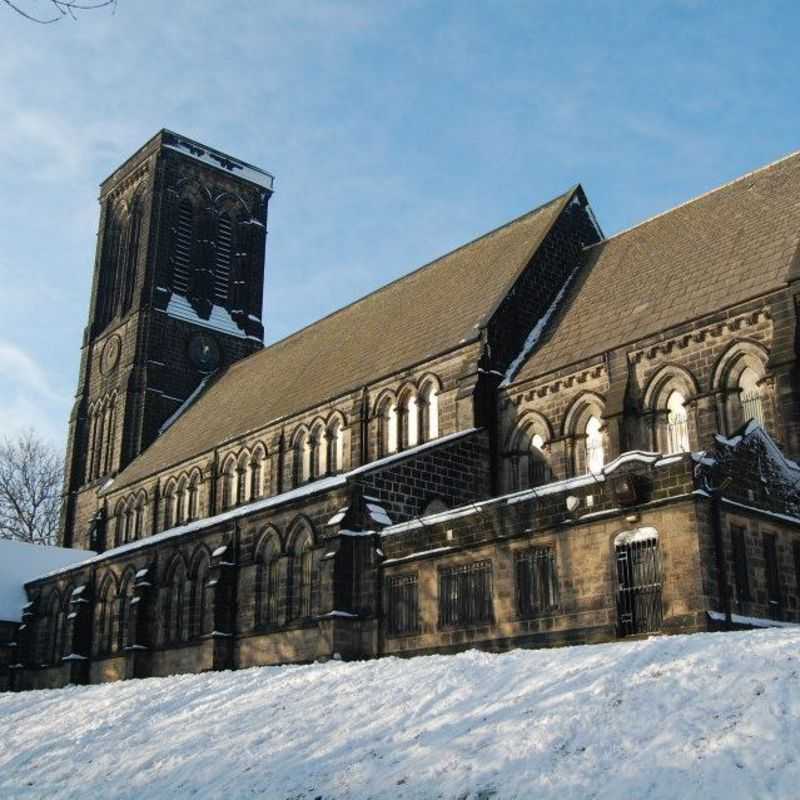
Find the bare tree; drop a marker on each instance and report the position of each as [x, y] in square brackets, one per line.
[31, 474]
[58, 9]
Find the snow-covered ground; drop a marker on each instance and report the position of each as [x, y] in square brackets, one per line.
[705, 716]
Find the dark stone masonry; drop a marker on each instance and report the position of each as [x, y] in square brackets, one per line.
[544, 437]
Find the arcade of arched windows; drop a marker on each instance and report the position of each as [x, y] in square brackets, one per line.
[102, 426]
[244, 476]
[185, 608]
[528, 454]
[319, 449]
[52, 639]
[181, 499]
[406, 418]
[115, 614]
[286, 575]
[131, 518]
[285, 590]
[120, 256]
[670, 419]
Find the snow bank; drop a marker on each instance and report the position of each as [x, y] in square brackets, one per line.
[21, 562]
[705, 716]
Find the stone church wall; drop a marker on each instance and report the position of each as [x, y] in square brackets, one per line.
[629, 388]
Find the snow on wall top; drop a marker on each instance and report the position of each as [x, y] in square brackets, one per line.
[308, 489]
[219, 320]
[20, 563]
[214, 158]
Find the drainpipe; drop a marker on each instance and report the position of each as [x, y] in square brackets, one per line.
[722, 573]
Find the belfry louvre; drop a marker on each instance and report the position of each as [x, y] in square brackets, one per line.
[547, 436]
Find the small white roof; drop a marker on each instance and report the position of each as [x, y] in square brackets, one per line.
[21, 562]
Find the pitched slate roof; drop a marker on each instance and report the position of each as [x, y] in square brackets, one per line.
[423, 314]
[722, 248]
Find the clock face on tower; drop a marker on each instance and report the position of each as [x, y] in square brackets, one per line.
[204, 352]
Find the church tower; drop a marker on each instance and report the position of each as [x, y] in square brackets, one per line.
[176, 296]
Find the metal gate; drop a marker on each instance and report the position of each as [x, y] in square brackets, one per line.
[639, 586]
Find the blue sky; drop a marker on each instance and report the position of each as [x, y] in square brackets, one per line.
[396, 131]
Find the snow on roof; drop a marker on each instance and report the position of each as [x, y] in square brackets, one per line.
[536, 333]
[183, 406]
[22, 562]
[653, 459]
[219, 319]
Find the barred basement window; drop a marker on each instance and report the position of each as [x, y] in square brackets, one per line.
[465, 594]
[740, 564]
[537, 581]
[403, 604]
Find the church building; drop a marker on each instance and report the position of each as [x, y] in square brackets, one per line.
[546, 436]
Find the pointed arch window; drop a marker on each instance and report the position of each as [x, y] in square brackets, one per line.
[315, 445]
[298, 458]
[268, 583]
[677, 423]
[306, 578]
[182, 248]
[407, 420]
[538, 469]
[121, 518]
[197, 604]
[387, 428]
[174, 628]
[125, 608]
[334, 447]
[55, 629]
[138, 518]
[595, 455]
[170, 506]
[193, 489]
[428, 403]
[241, 478]
[105, 619]
[130, 257]
[229, 484]
[257, 473]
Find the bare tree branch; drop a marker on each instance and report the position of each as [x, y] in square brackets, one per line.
[63, 7]
[31, 475]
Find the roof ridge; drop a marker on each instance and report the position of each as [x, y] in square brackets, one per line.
[694, 199]
[396, 280]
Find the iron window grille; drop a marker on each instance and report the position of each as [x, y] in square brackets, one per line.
[465, 595]
[752, 407]
[537, 581]
[639, 608]
[403, 605]
[677, 433]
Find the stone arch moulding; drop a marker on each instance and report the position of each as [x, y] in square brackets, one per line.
[666, 379]
[300, 525]
[269, 535]
[585, 404]
[737, 356]
[530, 420]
